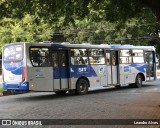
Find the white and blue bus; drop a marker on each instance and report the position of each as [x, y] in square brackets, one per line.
[62, 67]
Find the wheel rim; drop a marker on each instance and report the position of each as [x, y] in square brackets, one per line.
[139, 81]
[83, 87]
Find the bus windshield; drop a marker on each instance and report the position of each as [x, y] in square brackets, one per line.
[13, 53]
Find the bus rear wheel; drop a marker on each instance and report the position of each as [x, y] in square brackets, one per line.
[82, 87]
[138, 82]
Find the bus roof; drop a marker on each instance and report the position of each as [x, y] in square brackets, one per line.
[87, 45]
[107, 46]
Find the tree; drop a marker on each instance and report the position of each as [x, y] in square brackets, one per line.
[154, 5]
[109, 9]
[24, 30]
[95, 21]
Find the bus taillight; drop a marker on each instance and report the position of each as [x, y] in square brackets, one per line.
[23, 74]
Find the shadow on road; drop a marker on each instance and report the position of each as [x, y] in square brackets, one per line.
[52, 96]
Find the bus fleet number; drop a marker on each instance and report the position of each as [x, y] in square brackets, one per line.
[82, 69]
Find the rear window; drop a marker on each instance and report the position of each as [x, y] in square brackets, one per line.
[12, 53]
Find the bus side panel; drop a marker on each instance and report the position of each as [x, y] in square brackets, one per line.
[128, 72]
[101, 79]
[40, 78]
[137, 68]
[96, 74]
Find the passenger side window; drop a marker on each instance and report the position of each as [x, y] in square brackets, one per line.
[138, 56]
[125, 56]
[79, 56]
[39, 56]
[96, 56]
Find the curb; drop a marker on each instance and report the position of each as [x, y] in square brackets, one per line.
[12, 92]
[6, 93]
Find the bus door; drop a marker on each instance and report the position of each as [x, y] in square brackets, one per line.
[112, 66]
[150, 65]
[60, 69]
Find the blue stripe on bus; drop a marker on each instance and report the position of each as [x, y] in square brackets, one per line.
[139, 67]
[15, 68]
[64, 71]
[76, 71]
[82, 70]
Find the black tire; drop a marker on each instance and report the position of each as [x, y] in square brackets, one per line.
[138, 82]
[61, 92]
[82, 87]
[72, 92]
[117, 86]
[132, 85]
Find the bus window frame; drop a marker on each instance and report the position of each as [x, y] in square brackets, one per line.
[49, 57]
[138, 56]
[120, 61]
[103, 50]
[70, 50]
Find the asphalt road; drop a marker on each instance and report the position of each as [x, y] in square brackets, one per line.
[108, 103]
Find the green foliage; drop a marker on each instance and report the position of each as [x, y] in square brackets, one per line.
[134, 31]
[95, 21]
[24, 30]
[1, 89]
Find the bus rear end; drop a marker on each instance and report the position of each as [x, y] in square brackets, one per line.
[14, 67]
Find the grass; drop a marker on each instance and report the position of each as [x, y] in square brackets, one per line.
[1, 89]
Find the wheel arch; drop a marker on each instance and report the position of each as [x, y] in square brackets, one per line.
[142, 75]
[83, 77]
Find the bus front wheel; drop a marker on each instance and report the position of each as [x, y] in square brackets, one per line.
[138, 83]
[82, 87]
